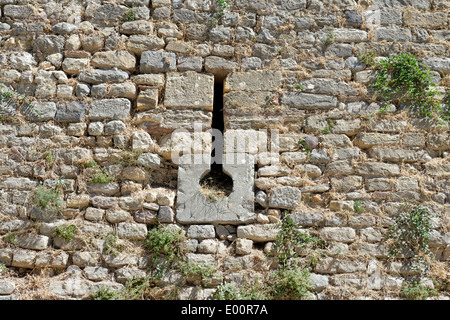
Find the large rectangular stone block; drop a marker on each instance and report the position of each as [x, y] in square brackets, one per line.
[253, 81]
[112, 109]
[158, 61]
[189, 90]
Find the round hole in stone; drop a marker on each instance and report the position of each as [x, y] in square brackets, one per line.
[216, 184]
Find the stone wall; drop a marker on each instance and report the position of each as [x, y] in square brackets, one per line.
[107, 84]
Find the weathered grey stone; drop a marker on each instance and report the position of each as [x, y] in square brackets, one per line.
[393, 33]
[201, 232]
[308, 100]
[18, 11]
[120, 59]
[71, 112]
[42, 111]
[64, 28]
[166, 214]
[22, 61]
[97, 76]
[31, 241]
[114, 127]
[219, 67]
[438, 64]
[285, 197]
[142, 141]
[258, 232]
[141, 43]
[419, 4]
[18, 183]
[253, 81]
[116, 216]
[157, 61]
[189, 90]
[103, 189]
[243, 246]
[149, 160]
[23, 258]
[137, 27]
[132, 231]
[327, 86]
[111, 109]
[6, 286]
[193, 207]
[378, 169]
[49, 44]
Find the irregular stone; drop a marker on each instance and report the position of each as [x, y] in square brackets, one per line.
[243, 246]
[42, 111]
[219, 67]
[116, 216]
[49, 44]
[137, 27]
[189, 90]
[51, 260]
[18, 183]
[327, 86]
[149, 160]
[22, 61]
[201, 232]
[97, 76]
[111, 109]
[393, 33]
[141, 43]
[31, 241]
[114, 59]
[258, 232]
[285, 197]
[166, 214]
[71, 112]
[253, 81]
[157, 61]
[142, 141]
[378, 169]
[6, 286]
[23, 259]
[308, 101]
[132, 231]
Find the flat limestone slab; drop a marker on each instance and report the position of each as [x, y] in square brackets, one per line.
[194, 208]
[189, 90]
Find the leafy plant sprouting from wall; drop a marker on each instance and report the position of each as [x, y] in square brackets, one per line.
[410, 234]
[403, 79]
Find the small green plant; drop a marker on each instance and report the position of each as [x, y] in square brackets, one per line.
[49, 198]
[330, 37]
[403, 79]
[410, 234]
[129, 158]
[223, 5]
[328, 128]
[305, 148]
[130, 15]
[3, 268]
[358, 206]
[227, 291]
[166, 243]
[368, 58]
[90, 164]
[11, 237]
[288, 240]
[298, 87]
[101, 176]
[105, 293]
[204, 271]
[48, 156]
[416, 291]
[66, 232]
[292, 284]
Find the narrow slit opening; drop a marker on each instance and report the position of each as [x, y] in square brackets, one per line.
[217, 184]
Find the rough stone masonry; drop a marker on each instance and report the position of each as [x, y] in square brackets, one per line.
[110, 82]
